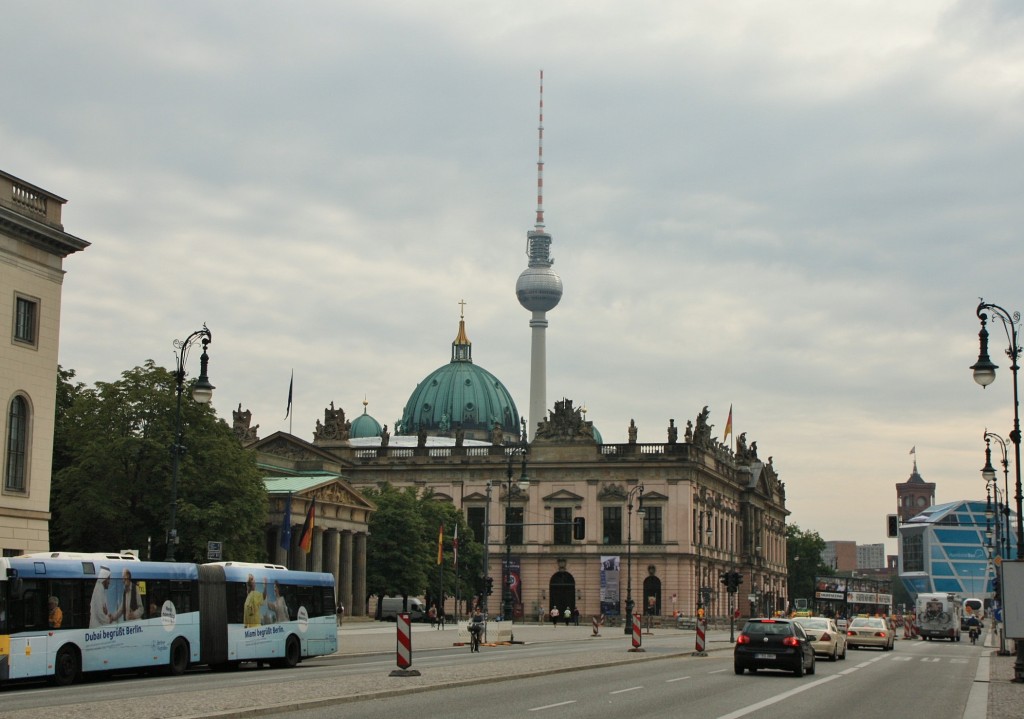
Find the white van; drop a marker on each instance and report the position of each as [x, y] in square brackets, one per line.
[391, 607]
[938, 616]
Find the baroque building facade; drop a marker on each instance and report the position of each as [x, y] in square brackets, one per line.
[706, 508]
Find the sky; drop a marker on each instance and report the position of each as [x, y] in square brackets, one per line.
[790, 208]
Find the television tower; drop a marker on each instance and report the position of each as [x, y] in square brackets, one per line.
[539, 288]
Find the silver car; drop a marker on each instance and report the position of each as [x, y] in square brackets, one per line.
[826, 638]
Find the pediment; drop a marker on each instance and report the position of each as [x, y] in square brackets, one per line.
[655, 497]
[563, 495]
[290, 447]
[475, 498]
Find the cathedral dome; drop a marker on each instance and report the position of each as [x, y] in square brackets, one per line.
[364, 425]
[462, 395]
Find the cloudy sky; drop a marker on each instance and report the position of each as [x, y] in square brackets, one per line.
[788, 207]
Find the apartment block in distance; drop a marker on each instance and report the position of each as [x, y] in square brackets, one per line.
[33, 245]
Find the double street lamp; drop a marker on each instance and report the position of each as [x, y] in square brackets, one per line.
[638, 492]
[985, 374]
[202, 392]
[701, 541]
[521, 486]
[988, 473]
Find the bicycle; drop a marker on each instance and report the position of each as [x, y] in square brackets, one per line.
[476, 630]
[974, 634]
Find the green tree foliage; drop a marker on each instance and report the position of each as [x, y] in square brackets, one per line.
[803, 556]
[112, 488]
[401, 551]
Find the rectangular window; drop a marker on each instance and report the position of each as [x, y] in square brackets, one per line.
[913, 552]
[563, 525]
[513, 525]
[26, 320]
[652, 525]
[611, 527]
[475, 518]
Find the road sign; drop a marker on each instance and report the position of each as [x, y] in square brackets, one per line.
[214, 551]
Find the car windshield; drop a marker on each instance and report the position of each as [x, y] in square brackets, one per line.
[865, 622]
[773, 628]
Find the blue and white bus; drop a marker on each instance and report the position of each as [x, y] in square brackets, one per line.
[62, 614]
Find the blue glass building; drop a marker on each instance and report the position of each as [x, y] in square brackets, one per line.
[946, 548]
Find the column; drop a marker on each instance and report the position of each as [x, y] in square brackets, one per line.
[359, 574]
[296, 557]
[316, 553]
[280, 555]
[345, 568]
[332, 545]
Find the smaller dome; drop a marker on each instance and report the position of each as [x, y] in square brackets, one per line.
[597, 435]
[364, 425]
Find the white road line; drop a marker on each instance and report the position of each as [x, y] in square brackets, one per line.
[621, 691]
[677, 679]
[718, 671]
[776, 699]
[552, 706]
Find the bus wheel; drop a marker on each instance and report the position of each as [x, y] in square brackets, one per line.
[66, 667]
[292, 652]
[179, 657]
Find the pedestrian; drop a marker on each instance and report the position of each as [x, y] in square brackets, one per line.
[432, 616]
[576, 616]
[554, 616]
[567, 615]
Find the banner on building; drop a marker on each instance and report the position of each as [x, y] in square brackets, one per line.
[515, 584]
[610, 586]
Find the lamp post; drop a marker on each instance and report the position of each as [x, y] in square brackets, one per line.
[985, 374]
[700, 542]
[510, 486]
[638, 492]
[989, 474]
[202, 393]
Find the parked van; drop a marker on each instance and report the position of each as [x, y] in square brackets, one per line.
[391, 607]
[938, 616]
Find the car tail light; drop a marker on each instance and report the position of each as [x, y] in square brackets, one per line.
[825, 637]
[743, 639]
[851, 633]
[790, 642]
[881, 634]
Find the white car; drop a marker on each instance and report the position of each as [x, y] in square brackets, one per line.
[826, 637]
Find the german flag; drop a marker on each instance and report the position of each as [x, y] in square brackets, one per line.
[306, 537]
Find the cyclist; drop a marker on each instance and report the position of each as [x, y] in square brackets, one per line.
[974, 628]
[476, 631]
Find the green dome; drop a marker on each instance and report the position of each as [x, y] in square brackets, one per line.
[461, 394]
[364, 425]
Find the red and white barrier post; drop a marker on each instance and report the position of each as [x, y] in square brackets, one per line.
[636, 633]
[701, 631]
[403, 627]
[596, 625]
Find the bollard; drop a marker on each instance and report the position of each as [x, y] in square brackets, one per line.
[636, 634]
[701, 627]
[596, 626]
[404, 647]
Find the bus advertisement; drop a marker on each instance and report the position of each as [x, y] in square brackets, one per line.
[64, 614]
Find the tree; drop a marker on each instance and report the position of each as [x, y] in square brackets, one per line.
[803, 557]
[112, 489]
[401, 553]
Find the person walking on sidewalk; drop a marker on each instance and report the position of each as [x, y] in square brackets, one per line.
[554, 616]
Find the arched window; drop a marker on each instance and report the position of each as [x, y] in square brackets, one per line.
[17, 445]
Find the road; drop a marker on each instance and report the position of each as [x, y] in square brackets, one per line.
[549, 679]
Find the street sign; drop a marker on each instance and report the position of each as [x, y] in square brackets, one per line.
[214, 551]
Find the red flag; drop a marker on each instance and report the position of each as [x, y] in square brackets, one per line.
[306, 541]
[728, 425]
[440, 544]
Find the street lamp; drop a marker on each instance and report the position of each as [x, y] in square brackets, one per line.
[989, 474]
[510, 486]
[700, 542]
[638, 492]
[985, 374]
[202, 392]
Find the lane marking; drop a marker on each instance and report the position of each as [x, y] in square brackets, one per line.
[776, 699]
[677, 679]
[718, 671]
[552, 706]
[622, 691]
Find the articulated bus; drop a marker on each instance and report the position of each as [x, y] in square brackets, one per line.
[62, 614]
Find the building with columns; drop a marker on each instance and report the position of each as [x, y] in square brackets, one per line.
[707, 507]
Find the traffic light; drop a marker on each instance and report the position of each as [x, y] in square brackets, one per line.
[735, 580]
[893, 525]
[724, 579]
[490, 585]
[579, 528]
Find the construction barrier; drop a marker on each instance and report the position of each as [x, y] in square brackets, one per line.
[701, 631]
[636, 634]
[404, 644]
[596, 625]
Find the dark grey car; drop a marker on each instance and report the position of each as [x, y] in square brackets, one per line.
[773, 644]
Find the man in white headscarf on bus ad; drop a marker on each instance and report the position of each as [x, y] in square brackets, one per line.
[99, 614]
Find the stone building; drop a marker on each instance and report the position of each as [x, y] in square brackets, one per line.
[33, 245]
[706, 508]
